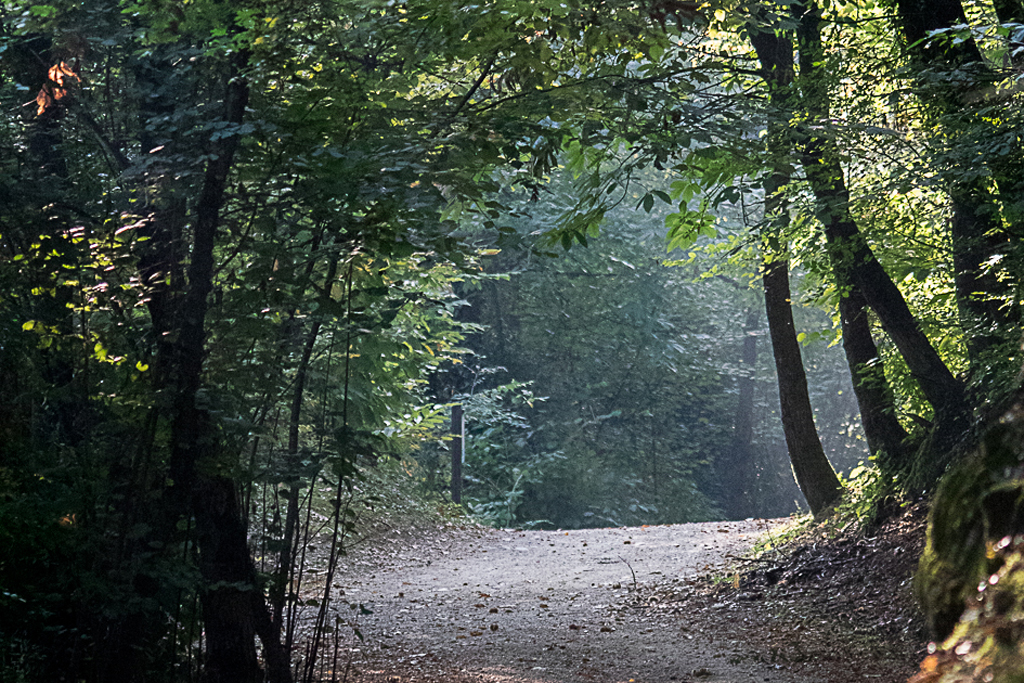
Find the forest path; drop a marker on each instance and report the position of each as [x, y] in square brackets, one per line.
[547, 606]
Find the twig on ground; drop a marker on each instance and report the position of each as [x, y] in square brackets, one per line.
[631, 572]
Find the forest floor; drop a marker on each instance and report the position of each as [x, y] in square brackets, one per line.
[658, 604]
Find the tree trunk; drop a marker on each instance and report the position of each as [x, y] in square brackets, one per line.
[735, 468]
[228, 616]
[230, 613]
[852, 256]
[978, 239]
[885, 435]
[977, 234]
[814, 474]
[918, 18]
[887, 439]
[281, 590]
[858, 272]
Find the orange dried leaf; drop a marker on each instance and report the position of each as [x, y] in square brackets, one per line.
[61, 78]
[44, 100]
[61, 72]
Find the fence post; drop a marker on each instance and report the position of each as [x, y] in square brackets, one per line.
[458, 440]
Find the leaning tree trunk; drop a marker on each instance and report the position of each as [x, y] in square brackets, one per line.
[886, 437]
[977, 234]
[814, 474]
[858, 273]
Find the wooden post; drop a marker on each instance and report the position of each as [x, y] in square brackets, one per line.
[458, 439]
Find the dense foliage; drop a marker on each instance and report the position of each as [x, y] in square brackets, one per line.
[241, 244]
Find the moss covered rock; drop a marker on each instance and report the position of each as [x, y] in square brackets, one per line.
[970, 580]
[987, 643]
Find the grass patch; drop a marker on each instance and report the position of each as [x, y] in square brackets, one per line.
[774, 540]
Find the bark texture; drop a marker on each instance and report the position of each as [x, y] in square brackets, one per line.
[814, 473]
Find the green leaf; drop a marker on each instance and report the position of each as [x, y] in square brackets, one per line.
[44, 11]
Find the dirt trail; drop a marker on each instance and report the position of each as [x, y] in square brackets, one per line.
[546, 606]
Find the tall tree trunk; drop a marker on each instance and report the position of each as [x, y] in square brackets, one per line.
[886, 437]
[224, 558]
[734, 470]
[232, 616]
[281, 589]
[977, 234]
[814, 474]
[858, 272]
[853, 257]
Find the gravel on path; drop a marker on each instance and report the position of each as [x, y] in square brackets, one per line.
[546, 606]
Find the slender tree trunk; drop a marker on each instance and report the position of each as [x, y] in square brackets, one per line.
[282, 582]
[735, 468]
[885, 435]
[852, 255]
[224, 558]
[282, 586]
[232, 617]
[858, 272]
[856, 264]
[887, 439]
[978, 236]
[814, 474]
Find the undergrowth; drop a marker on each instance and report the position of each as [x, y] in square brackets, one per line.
[864, 493]
[772, 542]
[391, 494]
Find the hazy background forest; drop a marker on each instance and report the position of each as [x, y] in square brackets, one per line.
[603, 388]
[671, 256]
